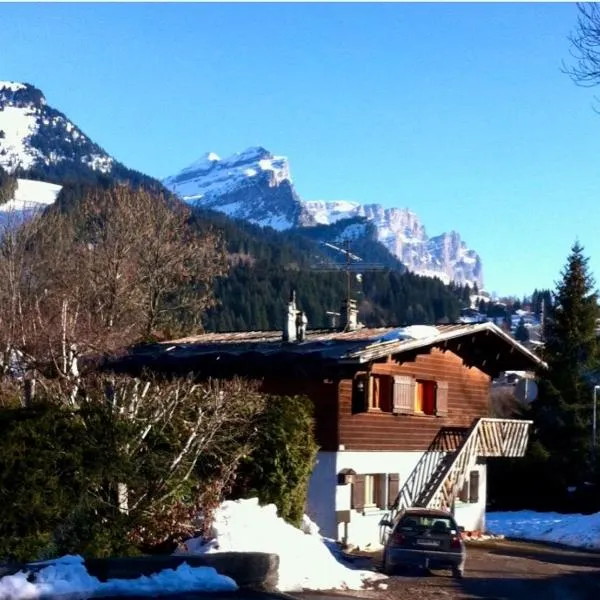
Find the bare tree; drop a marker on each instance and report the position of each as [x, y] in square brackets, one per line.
[171, 425]
[585, 46]
[118, 267]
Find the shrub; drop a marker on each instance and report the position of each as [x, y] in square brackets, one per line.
[279, 468]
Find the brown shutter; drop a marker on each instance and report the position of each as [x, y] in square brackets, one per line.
[474, 486]
[464, 493]
[358, 492]
[441, 399]
[393, 488]
[404, 395]
[378, 481]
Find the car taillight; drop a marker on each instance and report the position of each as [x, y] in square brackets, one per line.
[397, 539]
[455, 543]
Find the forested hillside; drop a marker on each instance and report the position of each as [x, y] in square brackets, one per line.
[266, 265]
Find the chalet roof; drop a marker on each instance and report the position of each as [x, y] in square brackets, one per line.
[483, 345]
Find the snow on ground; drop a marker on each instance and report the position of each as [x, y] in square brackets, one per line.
[305, 560]
[30, 195]
[68, 576]
[582, 531]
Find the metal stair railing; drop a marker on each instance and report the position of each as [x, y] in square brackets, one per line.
[486, 437]
[446, 441]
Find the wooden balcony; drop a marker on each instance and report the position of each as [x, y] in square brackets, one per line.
[502, 437]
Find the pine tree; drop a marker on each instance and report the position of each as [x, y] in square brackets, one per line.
[562, 411]
[521, 333]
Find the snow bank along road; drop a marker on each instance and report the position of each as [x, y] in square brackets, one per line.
[498, 571]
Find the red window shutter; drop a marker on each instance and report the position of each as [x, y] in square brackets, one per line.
[404, 395]
[441, 399]
[358, 492]
[474, 486]
[393, 488]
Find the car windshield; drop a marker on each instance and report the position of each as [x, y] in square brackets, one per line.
[420, 523]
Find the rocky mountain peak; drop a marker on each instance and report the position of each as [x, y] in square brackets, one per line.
[256, 186]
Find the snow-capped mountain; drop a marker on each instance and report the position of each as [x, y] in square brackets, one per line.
[256, 186]
[253, 185]
[33, 134]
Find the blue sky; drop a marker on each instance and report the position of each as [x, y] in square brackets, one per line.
[457, 111]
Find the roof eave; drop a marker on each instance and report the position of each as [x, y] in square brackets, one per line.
[378, 351]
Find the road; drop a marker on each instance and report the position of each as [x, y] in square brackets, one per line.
[499, 571]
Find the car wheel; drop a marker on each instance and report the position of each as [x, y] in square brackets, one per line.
[457, 573]
[385, 567]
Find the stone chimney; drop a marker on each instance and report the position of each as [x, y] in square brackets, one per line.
[301, 323]
[349, 315]
[289, 325]
[294, 329]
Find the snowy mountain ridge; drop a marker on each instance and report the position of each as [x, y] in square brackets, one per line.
[33, 134]
[256, 186]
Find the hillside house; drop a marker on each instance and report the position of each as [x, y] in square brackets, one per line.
[402, 414]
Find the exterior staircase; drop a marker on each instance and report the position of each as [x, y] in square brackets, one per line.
[439, 476]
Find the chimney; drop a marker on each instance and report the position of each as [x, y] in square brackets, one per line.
[289, 326]
[349, 315]
[301, 322]
[294, 329]
[333, 319]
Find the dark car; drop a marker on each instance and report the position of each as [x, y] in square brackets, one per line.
[425, 538]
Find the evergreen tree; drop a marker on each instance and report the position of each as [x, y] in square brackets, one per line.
[521, 333]
[562, 411]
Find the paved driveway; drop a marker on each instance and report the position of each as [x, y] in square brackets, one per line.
[501, 571]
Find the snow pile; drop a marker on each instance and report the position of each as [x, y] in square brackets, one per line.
[305, 563]
[582, 531]
[68, 575]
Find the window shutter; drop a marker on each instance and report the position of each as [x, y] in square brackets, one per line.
[474, 486]
[358, 492]
[393, 488]
[441, 399]
[404, 395]
[379, 481]
[464, 493]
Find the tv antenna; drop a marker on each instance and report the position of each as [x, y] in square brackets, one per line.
[353, 264]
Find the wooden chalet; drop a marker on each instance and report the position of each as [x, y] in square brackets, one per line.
[402, 414]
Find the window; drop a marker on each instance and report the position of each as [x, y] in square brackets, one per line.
[425, 397]
[381, 394]
[368, 491]
[418, 396]
[359, 393]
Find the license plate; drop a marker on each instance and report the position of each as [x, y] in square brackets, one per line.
[430, 543]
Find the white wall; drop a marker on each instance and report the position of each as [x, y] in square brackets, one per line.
[321, 501]
[325, 497]
[472, 515]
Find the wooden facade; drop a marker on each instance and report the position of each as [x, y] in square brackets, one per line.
[339, 424]
[379, 429]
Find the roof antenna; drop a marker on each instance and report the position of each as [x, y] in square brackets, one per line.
[353, 264]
